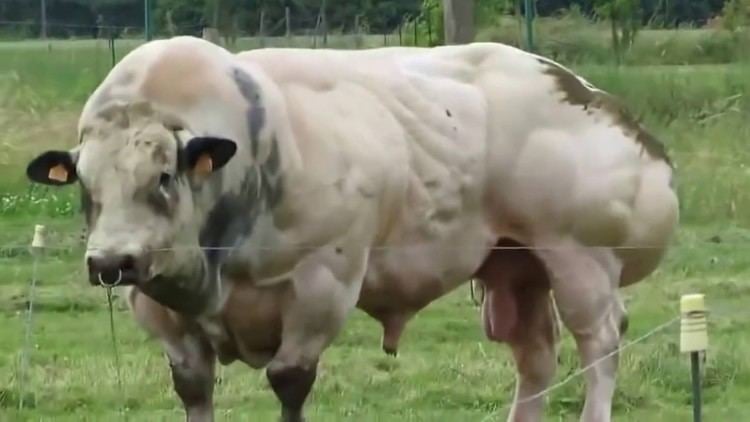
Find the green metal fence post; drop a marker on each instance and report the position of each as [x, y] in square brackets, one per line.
[147, 19]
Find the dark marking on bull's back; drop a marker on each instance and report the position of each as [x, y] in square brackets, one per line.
[576, 93]
[448, 113]
[271, 181]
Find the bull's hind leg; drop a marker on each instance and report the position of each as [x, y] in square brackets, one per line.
[191, 358]
[585, 283]
[323, 292]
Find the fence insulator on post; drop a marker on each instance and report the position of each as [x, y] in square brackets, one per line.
[38, 243]
[694, 340]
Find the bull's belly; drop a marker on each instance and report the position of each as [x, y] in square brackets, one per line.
[250, 326]
[406, 275]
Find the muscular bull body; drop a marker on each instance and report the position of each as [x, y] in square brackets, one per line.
[250, 202]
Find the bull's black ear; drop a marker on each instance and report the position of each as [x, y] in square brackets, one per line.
[52, 168]
[204, 155]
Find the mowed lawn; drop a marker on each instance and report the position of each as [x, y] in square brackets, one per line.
[445, 369]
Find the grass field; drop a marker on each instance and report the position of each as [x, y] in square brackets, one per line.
[446, 370]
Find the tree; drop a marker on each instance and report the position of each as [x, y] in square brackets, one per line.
[184, 16]
[625, 18]
[736, 14]
[458, 21]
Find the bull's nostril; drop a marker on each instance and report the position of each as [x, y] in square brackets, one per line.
[114, 269]
[128, 263]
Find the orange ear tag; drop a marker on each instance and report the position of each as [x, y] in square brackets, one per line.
[204, 165]
[58, 173]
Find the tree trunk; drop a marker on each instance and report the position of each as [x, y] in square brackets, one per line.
[217, 10]
[43, 6]
[458, 18]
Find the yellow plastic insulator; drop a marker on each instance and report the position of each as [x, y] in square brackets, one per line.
[693, 326]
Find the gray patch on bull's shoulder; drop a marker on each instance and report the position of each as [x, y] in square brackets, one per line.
[274, 160]
[230, 221]
[256, 113]
[233, 217]
[271, 179]
[575, 92]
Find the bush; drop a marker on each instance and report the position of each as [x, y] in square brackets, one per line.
[572, 38]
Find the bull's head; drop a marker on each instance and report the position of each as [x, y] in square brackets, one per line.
[139, 179]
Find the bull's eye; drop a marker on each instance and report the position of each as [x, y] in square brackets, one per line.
[164, 179]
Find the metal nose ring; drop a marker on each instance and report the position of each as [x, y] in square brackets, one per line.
[105, 284]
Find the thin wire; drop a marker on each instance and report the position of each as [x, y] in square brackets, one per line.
[407, 247]
[580, 371]
[27, 336]
[93, 25]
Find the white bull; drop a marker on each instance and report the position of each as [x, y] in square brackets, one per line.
[251, 201]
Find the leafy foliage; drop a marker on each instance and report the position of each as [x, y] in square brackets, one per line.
[736, 14]
[79, 17]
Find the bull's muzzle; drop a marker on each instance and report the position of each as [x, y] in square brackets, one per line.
[116, 270]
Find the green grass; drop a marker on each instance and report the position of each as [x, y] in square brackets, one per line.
[446, 370]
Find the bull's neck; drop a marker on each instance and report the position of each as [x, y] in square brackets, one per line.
[227, 217]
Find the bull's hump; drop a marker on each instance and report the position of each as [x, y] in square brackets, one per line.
[179, 76]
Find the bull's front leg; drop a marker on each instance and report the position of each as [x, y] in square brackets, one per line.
[191, 358]
[324, 290]
[192, 362]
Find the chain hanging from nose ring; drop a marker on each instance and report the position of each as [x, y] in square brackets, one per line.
[109, 287]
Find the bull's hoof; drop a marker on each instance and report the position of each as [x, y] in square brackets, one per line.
[390, 351]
